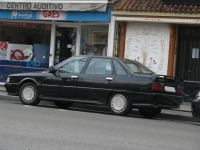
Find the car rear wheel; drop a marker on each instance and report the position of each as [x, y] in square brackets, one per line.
[119, 104]
[149, 113]
[63, 105]
[28, 94]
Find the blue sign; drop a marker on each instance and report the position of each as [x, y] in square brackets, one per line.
[68, 15]
[89, 16]
[72, 35]
[18, 14]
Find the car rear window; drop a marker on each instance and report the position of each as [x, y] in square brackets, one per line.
[136, 67]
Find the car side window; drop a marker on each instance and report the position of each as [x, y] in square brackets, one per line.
[119, 70]
[73, 66]
[99, 66]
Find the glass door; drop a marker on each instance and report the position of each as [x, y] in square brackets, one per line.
[65, 45]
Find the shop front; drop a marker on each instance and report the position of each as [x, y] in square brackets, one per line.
[33, 38]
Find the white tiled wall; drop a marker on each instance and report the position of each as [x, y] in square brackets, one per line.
[148, 43]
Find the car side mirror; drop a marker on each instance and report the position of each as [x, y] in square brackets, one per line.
[51, 69]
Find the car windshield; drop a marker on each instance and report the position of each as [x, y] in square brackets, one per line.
[80, 58]
[136, 67]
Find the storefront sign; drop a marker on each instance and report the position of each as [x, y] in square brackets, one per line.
[52, 15]
[35, 6]
[54, 6]
[56, 15]
[18, 14]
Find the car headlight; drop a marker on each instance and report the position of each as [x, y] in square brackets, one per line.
[8, 79]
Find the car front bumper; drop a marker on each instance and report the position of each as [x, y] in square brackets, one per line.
[12, 88]
[195, 104]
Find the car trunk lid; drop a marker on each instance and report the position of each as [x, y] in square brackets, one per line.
[167, 84]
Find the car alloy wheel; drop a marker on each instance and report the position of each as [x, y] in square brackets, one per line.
[119, 104]
[149, 113]
[28, 94]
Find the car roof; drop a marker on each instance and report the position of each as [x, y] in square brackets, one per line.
[89, 56]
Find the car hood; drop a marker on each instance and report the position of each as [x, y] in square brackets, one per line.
[38, 73]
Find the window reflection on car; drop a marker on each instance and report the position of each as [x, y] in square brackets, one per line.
[137, 67]
[73, 66]
[99, 66]
[119, 70]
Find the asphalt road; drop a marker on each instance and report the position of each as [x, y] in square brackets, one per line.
[50, 128]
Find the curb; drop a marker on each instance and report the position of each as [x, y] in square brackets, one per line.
[8, 97]
[180, 110]
[2, 83]
[102, 109]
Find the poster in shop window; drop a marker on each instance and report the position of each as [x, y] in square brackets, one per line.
[19, 52]
[3, 50]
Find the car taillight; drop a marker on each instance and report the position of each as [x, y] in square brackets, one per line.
[179, 90]
[156, 87]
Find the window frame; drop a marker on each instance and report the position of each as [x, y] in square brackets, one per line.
[84, 72]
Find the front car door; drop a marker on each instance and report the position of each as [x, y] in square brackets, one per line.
[50, 85]
[69, 72]
[96, 82]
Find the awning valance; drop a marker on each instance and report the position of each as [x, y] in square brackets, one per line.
[60, 5]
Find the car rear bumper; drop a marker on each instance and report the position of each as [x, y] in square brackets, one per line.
[12, 88]
[168, 101]
[156, 100]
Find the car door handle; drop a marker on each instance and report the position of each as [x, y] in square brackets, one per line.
[109, 79]
[74, 77]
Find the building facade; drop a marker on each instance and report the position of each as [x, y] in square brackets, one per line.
[35, 35]
[163, 35]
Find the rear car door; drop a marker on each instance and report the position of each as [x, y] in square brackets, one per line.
[96, 82]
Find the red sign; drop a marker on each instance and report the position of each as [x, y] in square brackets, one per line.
[3, 45]
[51, 14]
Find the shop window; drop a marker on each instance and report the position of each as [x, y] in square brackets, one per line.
[24, 47]
[94, 40]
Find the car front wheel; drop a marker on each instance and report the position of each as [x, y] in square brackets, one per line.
[119, 104]
[63, 105]
[28, 94]
[149, 113]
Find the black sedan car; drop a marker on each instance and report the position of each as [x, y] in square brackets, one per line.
[120, 84]
[195, 104]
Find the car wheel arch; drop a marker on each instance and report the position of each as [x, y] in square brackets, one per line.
[26, 81]
[28, 94]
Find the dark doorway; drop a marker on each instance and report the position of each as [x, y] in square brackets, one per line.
[64, 43]
[188, 58]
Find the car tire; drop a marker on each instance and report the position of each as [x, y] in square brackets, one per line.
[149, 113]
[28, 94]
[63, 105]
[119, 104]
